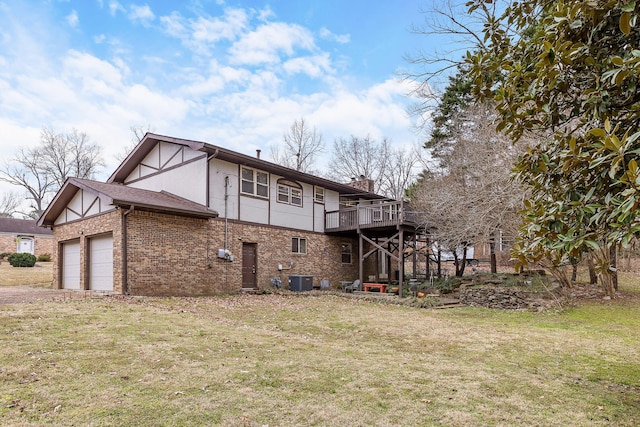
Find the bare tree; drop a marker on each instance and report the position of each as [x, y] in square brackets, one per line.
[460, 27]
[355, 157]
[400, 172]
[137, 133]
[9, 203]
[42, 170]
[302, 145]
[391, 169]
[69, 155]
[473, 195]
[25, 170]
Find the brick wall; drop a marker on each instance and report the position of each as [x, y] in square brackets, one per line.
[42, 245]
[176, 255]
[173, 255]
[109, 222]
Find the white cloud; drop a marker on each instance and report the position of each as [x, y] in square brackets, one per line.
[268, 42]
[141, 14]
[313, 66]
[202, 33]
[72, 19]
[339, 38]
[265, 14]
[115, 7]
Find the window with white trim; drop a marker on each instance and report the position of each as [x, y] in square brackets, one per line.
[298, 245]
[289, 193]
[254, 182]
[346, 202]
[346, 253]
[318, 195]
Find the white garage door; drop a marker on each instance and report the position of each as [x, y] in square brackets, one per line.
[101, 263]
[71, 265]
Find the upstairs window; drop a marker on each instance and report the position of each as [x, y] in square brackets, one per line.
[254, 182]
[298, 245]
[345, 202]
[318, 195]
[289, 193]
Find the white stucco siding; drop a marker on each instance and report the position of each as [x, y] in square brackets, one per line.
[218, 170]
[286, 215]
[253, 209]
[318, 215]
[331, 200]
[164, 155]
[188, 180]
[83, 204]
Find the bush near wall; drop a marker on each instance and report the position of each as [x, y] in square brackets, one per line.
[44, 258]
[22, 260]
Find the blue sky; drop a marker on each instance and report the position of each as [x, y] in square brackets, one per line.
[232, 73]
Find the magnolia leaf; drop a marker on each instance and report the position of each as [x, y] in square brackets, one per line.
[629, 7]
[625, 23]
[607, 125]
[598, 132]
[633, 166]
[592, 244]
[620, 77]
[617, 61]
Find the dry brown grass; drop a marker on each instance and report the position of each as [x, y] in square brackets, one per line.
[282, 360]
[39, 274]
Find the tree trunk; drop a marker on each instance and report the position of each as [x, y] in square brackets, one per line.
[605, 271]
[613, 255]
[460, 264]
[492, 254]
[593, 277]
[574, 272]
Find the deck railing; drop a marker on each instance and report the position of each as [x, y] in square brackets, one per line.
[364, 216]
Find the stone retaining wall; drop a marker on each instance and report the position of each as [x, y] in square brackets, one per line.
[507, 298]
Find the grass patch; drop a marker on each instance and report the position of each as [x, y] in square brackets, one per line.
[40, 274]
[323, 360]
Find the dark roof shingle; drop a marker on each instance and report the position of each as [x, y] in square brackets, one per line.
[22, 226]
[123, 196]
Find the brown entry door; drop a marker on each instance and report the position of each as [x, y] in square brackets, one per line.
[249, 265]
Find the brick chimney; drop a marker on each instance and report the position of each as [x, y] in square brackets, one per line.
[362, 183]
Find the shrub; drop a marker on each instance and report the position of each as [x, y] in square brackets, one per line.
[22, 260]
[5, 254]
[44, 257]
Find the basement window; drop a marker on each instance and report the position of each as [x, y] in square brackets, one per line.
[298, 245]
[345, 253]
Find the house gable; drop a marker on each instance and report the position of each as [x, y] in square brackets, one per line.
[162, 157]
[82, 205]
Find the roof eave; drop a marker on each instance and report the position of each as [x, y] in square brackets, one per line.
[126, 204]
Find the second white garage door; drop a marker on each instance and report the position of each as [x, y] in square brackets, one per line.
[101, 263]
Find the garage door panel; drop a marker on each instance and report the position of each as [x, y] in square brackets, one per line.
[101, 263]
[71, 265]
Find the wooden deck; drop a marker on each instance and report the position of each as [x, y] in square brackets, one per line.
[380, 215]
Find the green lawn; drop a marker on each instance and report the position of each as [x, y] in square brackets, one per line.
[282, 360]
[39, 274]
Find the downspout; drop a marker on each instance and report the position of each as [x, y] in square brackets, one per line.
[226, 216]
[226, 229]
[125, 273]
